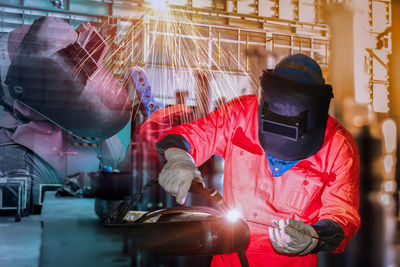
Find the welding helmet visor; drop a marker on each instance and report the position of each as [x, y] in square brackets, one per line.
[59, 73]
[292, 117]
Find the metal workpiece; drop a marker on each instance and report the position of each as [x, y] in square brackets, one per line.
[182, 213]
[178, 231]
[185, 238]
[113, 201]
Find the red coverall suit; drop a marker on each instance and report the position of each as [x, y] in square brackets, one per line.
[323, 186]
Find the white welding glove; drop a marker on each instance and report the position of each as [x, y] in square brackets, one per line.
[177, 175]
[292, 237]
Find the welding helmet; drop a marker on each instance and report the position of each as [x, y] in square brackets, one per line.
[294, 108]
[9, 44]
[57, 71]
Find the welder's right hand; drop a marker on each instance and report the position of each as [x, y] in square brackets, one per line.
[178, 173]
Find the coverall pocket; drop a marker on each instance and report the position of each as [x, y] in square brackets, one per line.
[245, 163]
[304, 190]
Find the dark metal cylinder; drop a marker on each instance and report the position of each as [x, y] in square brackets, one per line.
[187, 238]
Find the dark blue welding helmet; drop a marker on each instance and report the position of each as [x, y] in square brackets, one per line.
[294, 108]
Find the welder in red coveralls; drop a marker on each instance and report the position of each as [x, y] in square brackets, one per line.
[287, 163]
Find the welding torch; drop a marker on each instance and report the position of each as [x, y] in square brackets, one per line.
[211, 193]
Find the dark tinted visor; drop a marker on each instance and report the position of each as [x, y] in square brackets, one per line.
[285, 126]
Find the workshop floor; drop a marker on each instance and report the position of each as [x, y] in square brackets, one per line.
[20, 241]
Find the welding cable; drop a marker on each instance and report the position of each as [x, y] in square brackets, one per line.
[243, 258]
[120, 212]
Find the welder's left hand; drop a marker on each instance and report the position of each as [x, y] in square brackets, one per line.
[292, 237]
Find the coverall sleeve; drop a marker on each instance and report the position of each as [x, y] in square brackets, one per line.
[210, 134]
[340, 198]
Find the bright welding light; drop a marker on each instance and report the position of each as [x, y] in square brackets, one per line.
[158, 4]
[233, 215]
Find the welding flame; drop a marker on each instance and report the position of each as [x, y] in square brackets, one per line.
[233, 215]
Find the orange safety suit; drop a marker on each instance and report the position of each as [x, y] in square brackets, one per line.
[323, 186]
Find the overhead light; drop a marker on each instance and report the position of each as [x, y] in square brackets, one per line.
[158, 4]
[388, 163]
[385, 199]
[389, 135]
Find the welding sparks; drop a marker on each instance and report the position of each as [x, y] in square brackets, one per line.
[174, 52]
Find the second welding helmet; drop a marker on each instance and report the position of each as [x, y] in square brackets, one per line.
[58, 72]
[294, 108]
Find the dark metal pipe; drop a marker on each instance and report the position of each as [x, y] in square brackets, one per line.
[186, 238]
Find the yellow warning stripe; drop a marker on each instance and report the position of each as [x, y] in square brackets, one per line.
[79, 141]
[84, 144]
